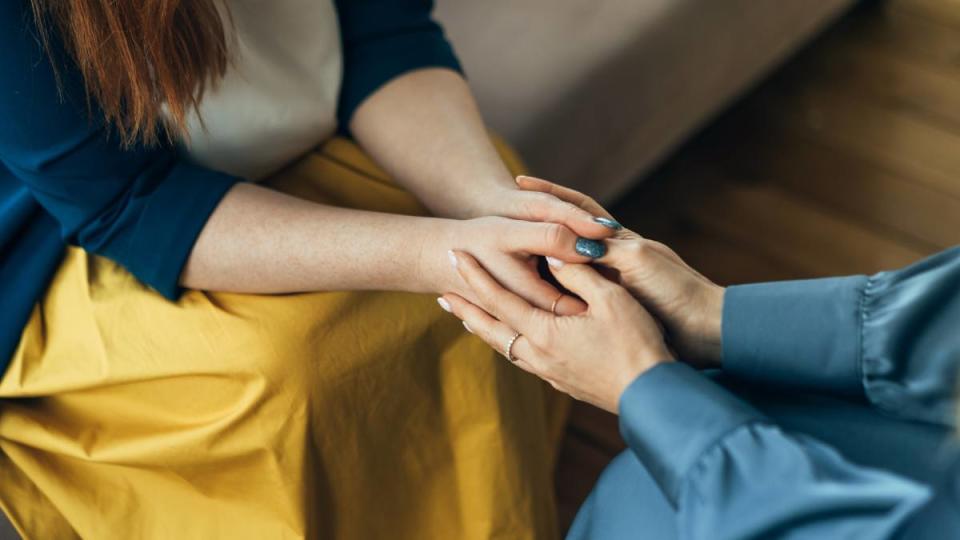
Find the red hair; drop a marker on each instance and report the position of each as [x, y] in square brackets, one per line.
[137, 56]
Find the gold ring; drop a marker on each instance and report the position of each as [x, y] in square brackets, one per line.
[553, 307]
[509, 348]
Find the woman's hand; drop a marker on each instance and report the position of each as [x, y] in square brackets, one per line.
[592, 356]
[686, 302]
[510, 249]
[572, 197]
[530, 205]
[424, 128]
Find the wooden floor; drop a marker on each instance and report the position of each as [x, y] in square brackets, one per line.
[847, 160]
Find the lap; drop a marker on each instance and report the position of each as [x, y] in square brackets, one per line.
[98, 326]
[260, 414]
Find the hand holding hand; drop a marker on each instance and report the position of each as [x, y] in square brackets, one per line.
[593, 356]
[686, 302]
[510, 249]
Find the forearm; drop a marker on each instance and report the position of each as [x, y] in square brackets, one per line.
[424, 128]
[262, 241]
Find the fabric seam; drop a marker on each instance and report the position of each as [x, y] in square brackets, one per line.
[748, 422]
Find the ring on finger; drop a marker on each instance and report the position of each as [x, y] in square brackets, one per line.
[553, 307]
[508, 350]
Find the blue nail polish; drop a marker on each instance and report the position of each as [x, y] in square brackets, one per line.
[590, 248]
[608, 223]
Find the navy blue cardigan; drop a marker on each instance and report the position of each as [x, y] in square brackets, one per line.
[65, 179]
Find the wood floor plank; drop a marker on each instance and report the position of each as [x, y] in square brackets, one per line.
[849, 185]
[580, 465]
[864, 70]
[939, 11]
[724, 260]
[803, 235]
[598, 427]
[921, 40]
[912, 147]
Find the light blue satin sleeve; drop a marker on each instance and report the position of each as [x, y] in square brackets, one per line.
[891, 338]
[760, 482]
[726, 472]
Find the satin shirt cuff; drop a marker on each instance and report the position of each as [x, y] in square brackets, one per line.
[672, 415]
[803, 334]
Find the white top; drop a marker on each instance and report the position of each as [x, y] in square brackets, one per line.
[278, 98]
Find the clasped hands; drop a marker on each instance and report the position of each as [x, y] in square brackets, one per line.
[637, 305]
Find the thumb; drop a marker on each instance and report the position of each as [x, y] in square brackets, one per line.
[621, 254]
[631, 252]
[583, 280]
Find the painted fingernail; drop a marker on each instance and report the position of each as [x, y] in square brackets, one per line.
[452, 257]
[444, 304]
[556, 263]
[590, 248]
[608, 223]
[467, 326]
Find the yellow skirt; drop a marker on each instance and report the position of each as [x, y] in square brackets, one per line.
[328, 415]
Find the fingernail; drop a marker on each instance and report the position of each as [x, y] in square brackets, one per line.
[555, 263]
[467, 326]
[590, 248]
[452, 257]
[444, 304]
[608, 223]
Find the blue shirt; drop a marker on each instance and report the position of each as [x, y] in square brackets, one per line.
[705, 464]
[65, 179]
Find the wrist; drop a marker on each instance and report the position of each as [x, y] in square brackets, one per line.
[712, 329]
[643, 366]
[434, 272]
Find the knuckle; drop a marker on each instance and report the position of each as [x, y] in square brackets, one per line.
[555, 235]
[486, 295]
[639, 248]
[606, 295]
[532, 207]
[660, 248]
[655, 244]
[491, 340]
[572, 208]
[547, 338]
[609, 294]
[491, 221]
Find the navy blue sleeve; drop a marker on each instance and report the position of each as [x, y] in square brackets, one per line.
[383, 39]
[730, 474]
[141, 207]
[890, 338]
